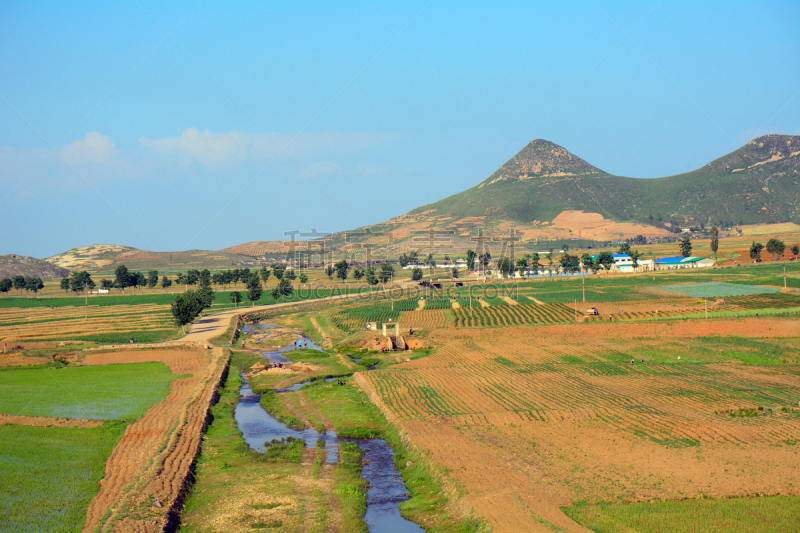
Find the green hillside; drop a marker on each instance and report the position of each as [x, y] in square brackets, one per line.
[758, 183]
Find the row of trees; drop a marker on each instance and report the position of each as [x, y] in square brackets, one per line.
[774, 246]
[34, 284]
[342, 270]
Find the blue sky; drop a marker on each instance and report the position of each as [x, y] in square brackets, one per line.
[207, 124]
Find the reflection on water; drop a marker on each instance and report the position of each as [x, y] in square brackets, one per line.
[258, 427]
[386, 487]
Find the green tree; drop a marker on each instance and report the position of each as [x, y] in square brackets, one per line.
[635, 258]
[471, 256]
[386, 273]
[605, 259]
[522, 265]
[34, 284]
[484, 259]
[625, 248]
[254, 290]
[329, 270]
[165, 282]
[186, 308]
[371, 278]
[535, 262]
[755, 250]
[289, 273]
[685, 246]
[570, 263]
[204, 279]
[358, 273]
[342, 269]
[236, 298]
[587, 260]
[416, 274]
[405, 259]
[277, 270]
[795, 250]
[505, 266]
[152, 278]
[303, 278]
[193, 276]
[6, 284]
[137, 279]
[65, 284]
[714, 241]
[19, 283]
[276, 293]
[776, 247]
[265, 274]
[81, 281]
[454, 271]
[550, 259]
[122, 278]
[107, 284]
[285, 288]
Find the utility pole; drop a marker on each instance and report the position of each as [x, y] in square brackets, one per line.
[86, 303]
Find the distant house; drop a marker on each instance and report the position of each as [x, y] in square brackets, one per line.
[622, 263]
[674, 263]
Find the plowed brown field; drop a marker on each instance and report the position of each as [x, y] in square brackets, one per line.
[65, 322]
[528, 420]
[424, 319]
[147, 470]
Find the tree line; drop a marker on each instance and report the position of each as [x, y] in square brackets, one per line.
[33, 283]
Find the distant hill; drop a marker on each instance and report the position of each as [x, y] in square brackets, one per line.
[543, 196]
[29, 267]
[758, 183]
[106, 257]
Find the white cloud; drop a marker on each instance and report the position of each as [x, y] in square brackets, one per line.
[215, 150]
[94, 148]
[206, 147]
[320, 169]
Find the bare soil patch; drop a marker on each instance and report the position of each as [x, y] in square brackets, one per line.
[18, 359]
[43, 421]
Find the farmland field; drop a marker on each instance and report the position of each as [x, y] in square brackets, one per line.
[561, 415]
[50, 475]
[53, 473]
[113, 392]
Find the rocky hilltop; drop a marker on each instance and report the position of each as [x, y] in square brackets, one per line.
[29, 267]
[542, 159]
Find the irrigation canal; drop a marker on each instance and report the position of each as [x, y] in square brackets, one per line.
[386, 486]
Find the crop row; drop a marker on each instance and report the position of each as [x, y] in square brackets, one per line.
[424, 319]
[514, 314]
[355, 318]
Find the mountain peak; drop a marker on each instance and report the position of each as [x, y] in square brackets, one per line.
[543, 159]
